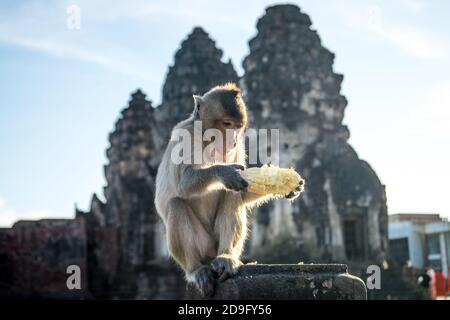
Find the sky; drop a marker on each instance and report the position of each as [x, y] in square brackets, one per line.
[62, 86]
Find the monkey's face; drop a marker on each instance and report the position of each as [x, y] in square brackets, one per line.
[223, 109]
[227, 140]
[232, 131]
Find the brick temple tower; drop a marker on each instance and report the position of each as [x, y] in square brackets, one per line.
[290, 85]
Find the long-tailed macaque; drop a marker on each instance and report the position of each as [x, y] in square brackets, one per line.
[203, 205]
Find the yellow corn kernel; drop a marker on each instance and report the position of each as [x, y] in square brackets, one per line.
[271, 180]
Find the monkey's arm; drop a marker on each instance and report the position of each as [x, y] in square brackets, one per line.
[196, 181]
[254, 200]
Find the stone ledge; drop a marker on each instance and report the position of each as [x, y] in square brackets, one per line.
[289, 281]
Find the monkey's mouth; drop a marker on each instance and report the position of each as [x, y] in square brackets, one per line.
[218, 155]
[221, 155]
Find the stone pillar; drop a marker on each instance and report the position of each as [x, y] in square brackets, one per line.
[289, 281]
[444, 258]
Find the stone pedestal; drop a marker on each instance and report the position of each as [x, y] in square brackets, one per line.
[289, 281]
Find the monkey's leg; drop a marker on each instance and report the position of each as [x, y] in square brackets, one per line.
[231, 230]
[189, 244]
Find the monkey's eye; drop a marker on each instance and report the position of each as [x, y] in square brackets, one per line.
[227, 124]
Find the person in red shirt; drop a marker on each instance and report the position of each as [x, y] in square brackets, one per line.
[448, 282]
[440, 283]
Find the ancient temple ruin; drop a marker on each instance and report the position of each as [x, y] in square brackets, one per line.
[198, 67]
[124, 238]
[289, 84]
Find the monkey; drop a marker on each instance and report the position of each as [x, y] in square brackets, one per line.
[204, 205]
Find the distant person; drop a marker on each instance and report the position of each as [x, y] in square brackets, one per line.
[424, 280]
[441, 289]
[430, 272]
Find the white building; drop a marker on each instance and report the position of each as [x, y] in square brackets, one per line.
[420, 240]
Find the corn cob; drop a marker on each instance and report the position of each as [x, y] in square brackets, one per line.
[272, 180]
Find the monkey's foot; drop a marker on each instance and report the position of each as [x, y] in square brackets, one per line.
[205, 281]
[225, 267]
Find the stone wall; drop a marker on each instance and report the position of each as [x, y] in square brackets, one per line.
[34, 256]
[289, 282]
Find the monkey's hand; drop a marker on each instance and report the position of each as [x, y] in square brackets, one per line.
[298, 190]
[231, 178]
[225, 267]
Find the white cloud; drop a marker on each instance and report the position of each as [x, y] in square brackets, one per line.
[66, 50]
[199, 11]
[415, 5]
[43, 29]
[433, 117]
[9, 216]
[415, 41]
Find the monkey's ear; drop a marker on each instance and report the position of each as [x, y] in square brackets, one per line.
[198, 101]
